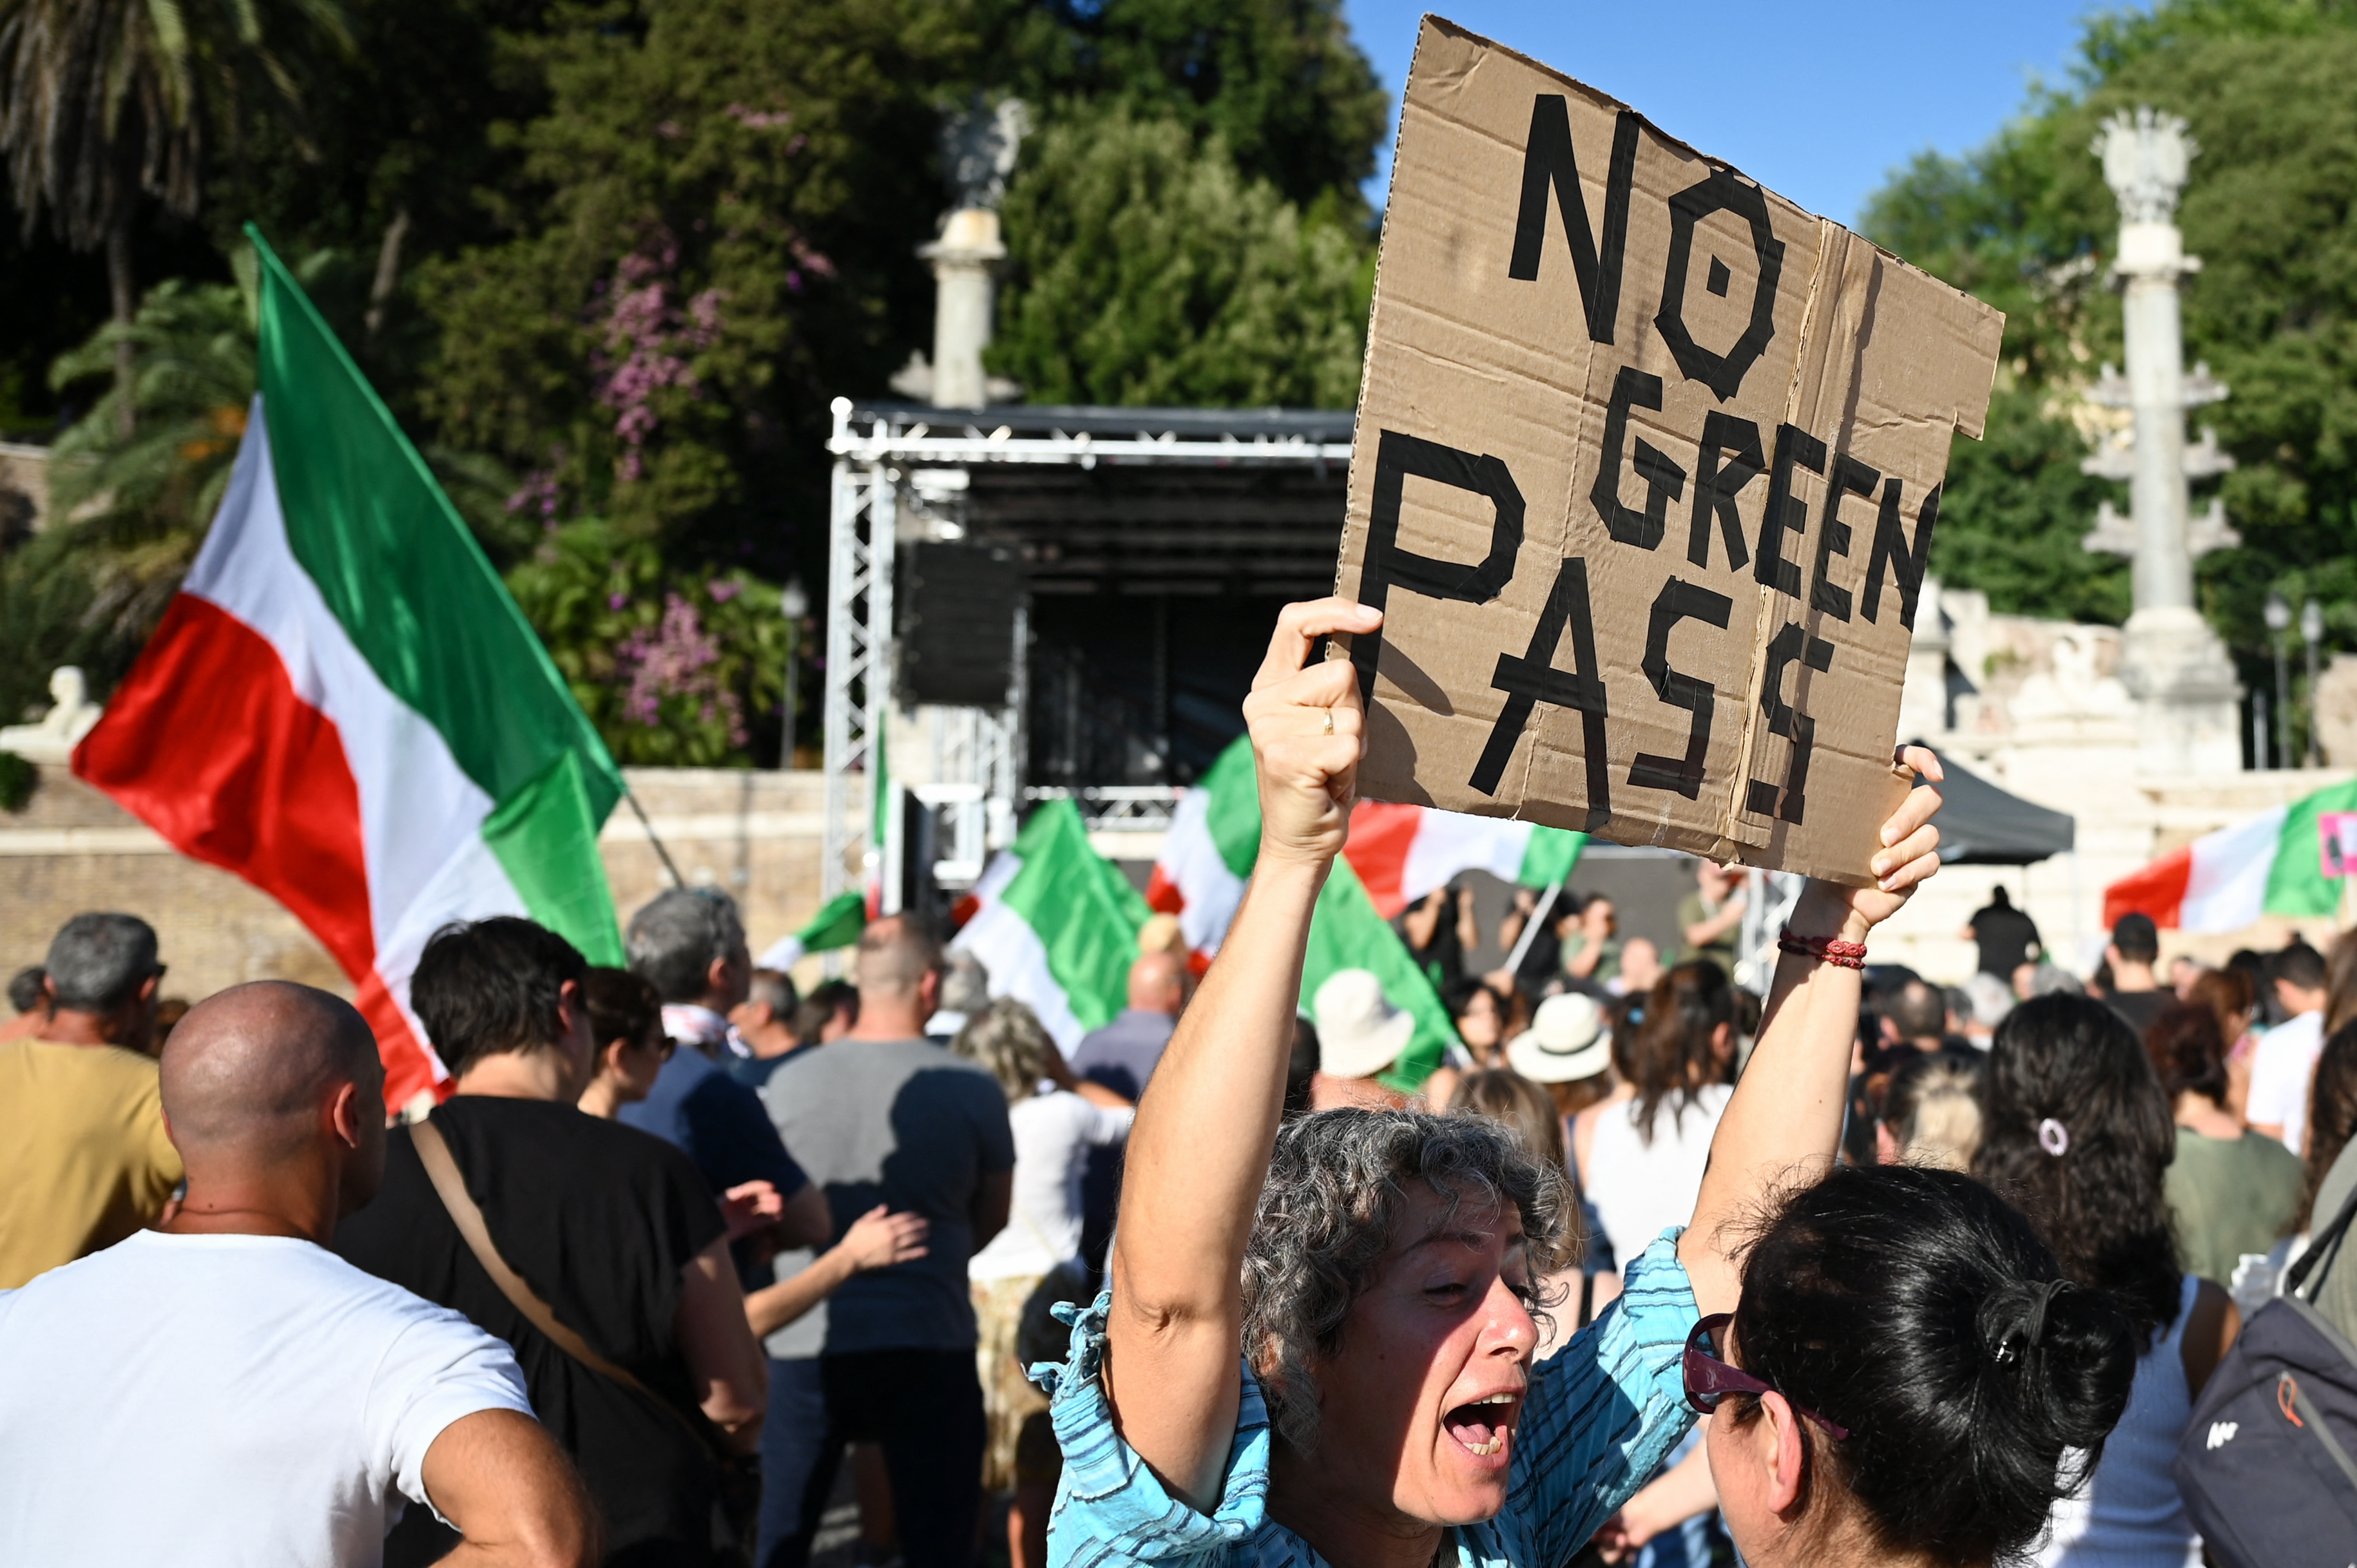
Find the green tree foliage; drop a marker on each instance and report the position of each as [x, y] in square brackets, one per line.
[132, 487]
[2024, 503]
[412, 154]
[1146, 268]
[728, 193]
[2271, 207]
[1278, 82]
[63, 605]
[106, 103]
[195, 347]
[627, 251]
[674, 669]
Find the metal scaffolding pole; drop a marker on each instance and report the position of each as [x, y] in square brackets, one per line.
[858, 670]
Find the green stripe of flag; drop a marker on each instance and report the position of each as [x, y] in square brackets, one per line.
[420, 601]
[1234, 816]
[398, 567]
[1081, 906]
[836, 924]
[1345, 932]
[1549, 856]
[2296, 884]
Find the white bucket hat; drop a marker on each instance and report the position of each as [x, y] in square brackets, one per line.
[1360, 1033]
[1567, 1041]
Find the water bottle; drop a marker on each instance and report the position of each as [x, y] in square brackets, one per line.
[2253, 1284]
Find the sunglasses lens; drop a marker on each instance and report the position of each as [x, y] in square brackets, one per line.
[1701, 1389]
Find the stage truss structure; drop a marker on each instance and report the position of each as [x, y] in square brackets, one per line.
[904, 473]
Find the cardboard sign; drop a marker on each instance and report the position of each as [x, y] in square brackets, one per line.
[1647, 464]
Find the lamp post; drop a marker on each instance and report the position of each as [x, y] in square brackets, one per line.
[2278, 616]
[2312, 632]
[796, 604]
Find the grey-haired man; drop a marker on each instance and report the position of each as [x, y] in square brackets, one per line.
[84, 1157]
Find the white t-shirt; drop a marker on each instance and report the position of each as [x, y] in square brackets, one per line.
[1053, 1132]
[1641, 1189]
[2280, 1070]
[225, 1400]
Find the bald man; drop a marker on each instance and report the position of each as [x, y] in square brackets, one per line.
[1123, 1055]
[885, 1115]
[225, 1389]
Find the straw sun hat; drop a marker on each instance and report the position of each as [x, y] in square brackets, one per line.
[1566, 1042]
[1360, 1033]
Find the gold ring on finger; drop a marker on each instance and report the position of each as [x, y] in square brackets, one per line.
[1329, 721]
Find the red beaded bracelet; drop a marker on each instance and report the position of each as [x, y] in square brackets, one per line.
[1830, 949]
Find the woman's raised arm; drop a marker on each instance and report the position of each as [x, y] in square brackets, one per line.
[1200, 1147]
[1784, 1122]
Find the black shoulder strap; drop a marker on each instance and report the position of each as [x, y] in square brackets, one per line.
[450, 1186]
[2323, 1248]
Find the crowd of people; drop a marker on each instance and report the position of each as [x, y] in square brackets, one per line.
[1654, 1269]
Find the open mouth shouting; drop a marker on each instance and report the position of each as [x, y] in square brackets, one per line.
[1485, 1426]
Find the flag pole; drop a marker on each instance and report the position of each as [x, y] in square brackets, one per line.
[1531, 930]
[648, 822]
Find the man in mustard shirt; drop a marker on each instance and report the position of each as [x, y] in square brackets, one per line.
[84, 1160]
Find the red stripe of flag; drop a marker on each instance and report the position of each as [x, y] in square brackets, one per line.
[2158, 890]
[209, 743]
[1381, 833]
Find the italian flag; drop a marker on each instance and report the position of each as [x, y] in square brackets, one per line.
[344, 706]
[1396, 855]
[1401, 854]
[838, 924]
[2271, 865]
[1056, 925]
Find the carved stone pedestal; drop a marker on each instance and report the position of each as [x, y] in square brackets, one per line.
[2188, 715]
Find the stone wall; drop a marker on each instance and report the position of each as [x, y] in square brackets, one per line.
[754, 833]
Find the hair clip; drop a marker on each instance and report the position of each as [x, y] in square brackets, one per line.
[2053, 1137]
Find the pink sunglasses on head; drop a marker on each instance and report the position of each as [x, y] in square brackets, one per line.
[1710, 1379]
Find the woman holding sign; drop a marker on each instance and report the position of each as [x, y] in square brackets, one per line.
[1375, 1267]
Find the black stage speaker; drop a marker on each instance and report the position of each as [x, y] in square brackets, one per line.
[957, 624]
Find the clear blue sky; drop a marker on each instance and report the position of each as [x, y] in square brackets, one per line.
[1818, 99]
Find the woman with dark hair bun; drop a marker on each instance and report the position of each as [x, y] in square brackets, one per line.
[1906, 1377]
[2077, 1130]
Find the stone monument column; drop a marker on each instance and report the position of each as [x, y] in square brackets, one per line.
[978, 153]
[2172, 664]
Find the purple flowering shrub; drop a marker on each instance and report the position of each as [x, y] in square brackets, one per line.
[672, 666]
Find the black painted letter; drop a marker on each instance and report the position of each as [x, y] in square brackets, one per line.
[1891, 547]
[1679, 601]
[1722, 374]
[1548, 162]
[1664, 480]
[1851, 477]
[1730, 460]
[1534, 678]
[1398, 455]
[1793, 446]
[1761, 797]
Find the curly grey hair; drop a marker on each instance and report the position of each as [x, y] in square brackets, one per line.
[1337, 1185]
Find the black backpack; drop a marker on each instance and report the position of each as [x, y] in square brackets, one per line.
[2268, 1465]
